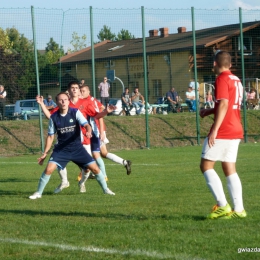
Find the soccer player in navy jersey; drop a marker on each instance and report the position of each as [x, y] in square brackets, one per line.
[66, 123]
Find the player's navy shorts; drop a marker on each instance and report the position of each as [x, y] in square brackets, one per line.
[95, 143]
[79, 156]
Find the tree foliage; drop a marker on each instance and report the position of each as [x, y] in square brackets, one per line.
[78, 42]
[106, 34]
[124, 35]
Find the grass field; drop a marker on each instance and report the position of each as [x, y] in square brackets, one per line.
[158, 211]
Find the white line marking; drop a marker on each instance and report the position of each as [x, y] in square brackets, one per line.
[137, 252]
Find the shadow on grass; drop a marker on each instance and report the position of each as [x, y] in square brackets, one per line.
[18, 140]
[188, 138]
[106, 215]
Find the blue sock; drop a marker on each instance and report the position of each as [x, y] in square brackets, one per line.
[101, 166]
[101, 180]
[43, 182]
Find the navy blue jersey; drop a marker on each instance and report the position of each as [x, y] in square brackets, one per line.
[67, 128]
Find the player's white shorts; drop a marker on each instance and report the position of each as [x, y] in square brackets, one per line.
[106, 141]
[224, 150]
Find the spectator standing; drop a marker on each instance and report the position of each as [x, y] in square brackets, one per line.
[172, 100]
[49, 103]
[136, 98]
[104, 91]
[126, 102]
[2, 102]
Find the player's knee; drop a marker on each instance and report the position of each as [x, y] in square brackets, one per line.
[94, 168]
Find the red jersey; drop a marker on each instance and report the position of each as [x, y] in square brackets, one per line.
[93, 103]
[229, 87]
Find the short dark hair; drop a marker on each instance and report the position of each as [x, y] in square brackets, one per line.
[73, 82]
[84, 86]
[127, 88]
[56, 98]
[223, 59]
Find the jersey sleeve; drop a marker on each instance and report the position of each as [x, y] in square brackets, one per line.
[54, 110]
[81, 119]
[222, 91]
[51, 128]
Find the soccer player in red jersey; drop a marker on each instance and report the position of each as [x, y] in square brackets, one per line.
[104, 153]
[223, 140]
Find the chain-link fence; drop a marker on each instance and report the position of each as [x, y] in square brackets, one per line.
[88, 44]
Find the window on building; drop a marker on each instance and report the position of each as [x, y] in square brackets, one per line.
[68, 69]
[247, 45]
[157, 88]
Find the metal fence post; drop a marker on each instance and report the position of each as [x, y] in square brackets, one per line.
[37, 75]
[145, 81]
[92, 53]
[195, 75]
[243, 73]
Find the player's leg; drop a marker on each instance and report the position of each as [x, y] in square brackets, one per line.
[115, 158]
[208, 158]
[84, 160]
[84, 175]
[100, 178]
[64, 180]
[233, 181]
[95, 149]
[44, 179]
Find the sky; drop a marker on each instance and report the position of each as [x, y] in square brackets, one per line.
[59, 19]
[172, 4]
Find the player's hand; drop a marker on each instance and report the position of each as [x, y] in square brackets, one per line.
[110, 108]
[41, 159]
[203, 112]
[102, 136]
[212, 137]
[39, 99]
[88, 134]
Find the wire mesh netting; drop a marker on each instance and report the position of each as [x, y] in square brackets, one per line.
[88, 44]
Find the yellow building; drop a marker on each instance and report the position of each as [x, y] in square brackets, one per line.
[170, 61]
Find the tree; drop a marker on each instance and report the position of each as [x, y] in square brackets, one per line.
[53, 51]
[106, 34]
[5, 42]
[124, 35]
[78, 42]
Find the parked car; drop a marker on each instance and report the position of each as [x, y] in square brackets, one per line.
[119, 110]
[28, 108]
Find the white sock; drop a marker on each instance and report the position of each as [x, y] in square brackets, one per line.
[115, 158]
[63, 175]
[235, 191]
[215, 185]
[84, 176]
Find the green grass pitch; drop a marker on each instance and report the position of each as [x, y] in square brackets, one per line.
[158, 211]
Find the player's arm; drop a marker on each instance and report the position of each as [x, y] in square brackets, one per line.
[45, 110]
[84, 122]
[48, 144]
[108, 110]
[89, 130]
[206, 112]
[220, 114]
[101, 128]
